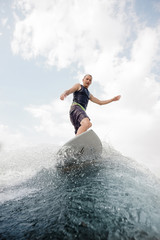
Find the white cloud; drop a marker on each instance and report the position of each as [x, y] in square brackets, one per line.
[106, 39]
[4, 21]
[10, 139]
[66, 32]
[53, 119]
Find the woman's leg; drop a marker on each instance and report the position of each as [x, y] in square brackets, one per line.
[85, 125]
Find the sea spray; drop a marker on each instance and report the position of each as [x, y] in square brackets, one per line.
[113, 197]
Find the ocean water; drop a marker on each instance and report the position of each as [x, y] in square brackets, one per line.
[111, 197]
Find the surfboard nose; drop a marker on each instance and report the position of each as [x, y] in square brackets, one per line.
[85, 144]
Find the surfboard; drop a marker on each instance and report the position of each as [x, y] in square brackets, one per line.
[85, 144]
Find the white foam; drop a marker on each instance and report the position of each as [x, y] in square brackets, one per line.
[11, 194]
[19, 165]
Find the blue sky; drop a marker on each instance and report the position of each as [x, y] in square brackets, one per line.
[47, 46]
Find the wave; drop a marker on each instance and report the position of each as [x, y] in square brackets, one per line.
[112, 197]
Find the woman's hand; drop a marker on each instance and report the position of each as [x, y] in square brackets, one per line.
[63, 96]
[116, 98]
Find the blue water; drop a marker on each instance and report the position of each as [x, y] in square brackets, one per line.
[108, 198]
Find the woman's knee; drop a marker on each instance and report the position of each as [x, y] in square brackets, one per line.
[90, 124]
[86, 122]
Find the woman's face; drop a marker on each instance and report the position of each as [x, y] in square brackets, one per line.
[87, 80]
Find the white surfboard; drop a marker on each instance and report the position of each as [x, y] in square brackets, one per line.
[85, 144]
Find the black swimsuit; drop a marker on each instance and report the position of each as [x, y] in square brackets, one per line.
[81, 97]
[79, 105]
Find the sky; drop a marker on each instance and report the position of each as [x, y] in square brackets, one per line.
[48, 46]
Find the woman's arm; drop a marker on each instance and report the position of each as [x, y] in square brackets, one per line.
[75, 88]
[103, 102]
